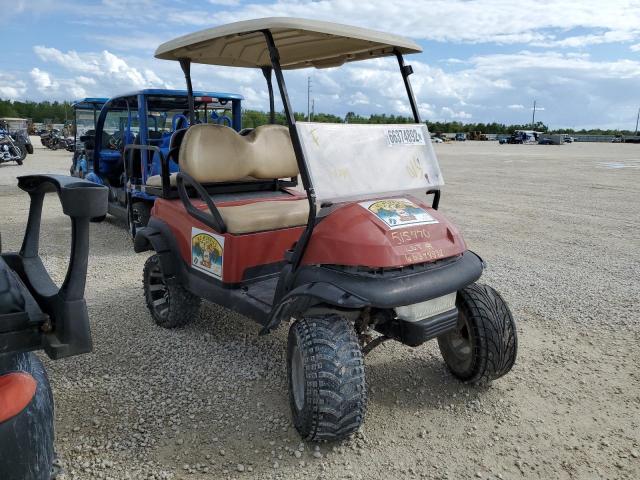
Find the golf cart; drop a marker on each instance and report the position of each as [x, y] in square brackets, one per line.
[84, 129]
[18, 129]
[362, 255]
[132, 143]
[37, 315]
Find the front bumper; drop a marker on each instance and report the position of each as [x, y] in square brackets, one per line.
[390, 289]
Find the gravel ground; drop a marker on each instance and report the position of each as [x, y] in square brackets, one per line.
[559, 228]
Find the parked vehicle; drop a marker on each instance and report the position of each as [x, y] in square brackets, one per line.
[355, 259]
[86, 113]
[37, 315]
[460, 137]
[133, 148]
[478, 136]
[9, 151]
[18, 128]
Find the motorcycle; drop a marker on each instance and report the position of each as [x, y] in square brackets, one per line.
[9, 151]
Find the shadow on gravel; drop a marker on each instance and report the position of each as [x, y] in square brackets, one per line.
[408, 382]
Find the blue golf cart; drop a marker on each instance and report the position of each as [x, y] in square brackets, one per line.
[86, 113]
[134, 137]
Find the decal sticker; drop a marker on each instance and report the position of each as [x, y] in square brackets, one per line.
[207, 252]
[398, 212]
[404, 136]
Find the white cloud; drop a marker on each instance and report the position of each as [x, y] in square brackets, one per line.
[105, 72]
[450, 113]
[43, 80]
[11, 88]
[473, 21]
[225, 3]
[494, 85]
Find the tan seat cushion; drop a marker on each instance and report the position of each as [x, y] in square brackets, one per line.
[268, 215]
[215, 153]
[156, 180]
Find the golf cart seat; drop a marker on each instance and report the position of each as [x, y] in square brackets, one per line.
[215, 154]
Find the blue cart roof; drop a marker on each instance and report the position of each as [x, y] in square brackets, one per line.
[174, 93]
[89, 103]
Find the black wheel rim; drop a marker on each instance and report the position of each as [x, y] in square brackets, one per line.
[297, 377]
[460, 345]
[158, 293]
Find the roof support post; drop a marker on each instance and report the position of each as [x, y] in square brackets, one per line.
[185, 64]
[406, 70]
[266, 71]
[302, 243]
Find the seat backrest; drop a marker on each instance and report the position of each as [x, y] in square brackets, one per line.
[176, 138]
[215, 153]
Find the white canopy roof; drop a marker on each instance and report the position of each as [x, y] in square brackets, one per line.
[301, 43]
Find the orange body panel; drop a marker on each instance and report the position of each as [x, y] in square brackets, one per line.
[354, 236]
[350, 235]
[240, 251]
[16, 391]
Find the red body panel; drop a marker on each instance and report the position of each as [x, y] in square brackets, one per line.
[350, 235]
[240, 251]
[354, 236]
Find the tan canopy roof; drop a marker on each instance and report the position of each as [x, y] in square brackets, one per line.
[301, 43]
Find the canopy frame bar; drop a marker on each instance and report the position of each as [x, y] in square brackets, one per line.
[266, 71]
[407, 70]
[302, 243]
[185, 65]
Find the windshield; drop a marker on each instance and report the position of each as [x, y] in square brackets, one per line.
[360, 161]
[85, 121]
[171, 120]
[17, 126]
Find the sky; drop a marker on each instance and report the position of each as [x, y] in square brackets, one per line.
[482, 61]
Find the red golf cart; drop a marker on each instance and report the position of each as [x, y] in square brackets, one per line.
[358, 256]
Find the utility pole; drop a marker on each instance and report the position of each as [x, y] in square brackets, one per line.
[533, 119]
[313, 109]
[308, 99]
[637, 118]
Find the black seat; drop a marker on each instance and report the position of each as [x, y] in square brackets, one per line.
[174, 144]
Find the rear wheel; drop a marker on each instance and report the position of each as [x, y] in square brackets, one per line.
[170, 304]
[139, 216]
[327, 391]
[484, 345]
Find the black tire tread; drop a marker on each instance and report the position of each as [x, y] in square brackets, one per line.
[335, 378]
[143, 210]
[494, 330]
[183, 305]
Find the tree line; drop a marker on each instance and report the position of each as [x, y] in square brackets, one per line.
[61, 112]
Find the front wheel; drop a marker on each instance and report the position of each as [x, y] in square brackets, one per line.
[23, 153]
[327, 391]
[484, 345]
[170, 304]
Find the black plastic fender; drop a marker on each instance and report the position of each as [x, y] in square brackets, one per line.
[68, 333]
[346, 289]
[157, 236]
[309, 295]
